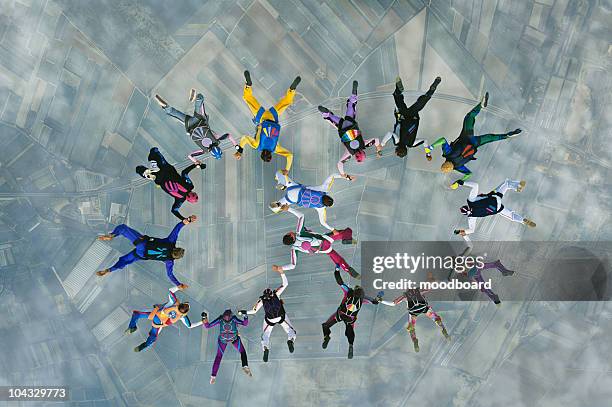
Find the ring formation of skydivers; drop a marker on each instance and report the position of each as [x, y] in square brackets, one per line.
[266, 140]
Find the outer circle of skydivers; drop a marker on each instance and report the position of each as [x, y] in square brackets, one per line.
[303, 240]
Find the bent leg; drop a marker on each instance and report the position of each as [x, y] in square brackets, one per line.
[177, 114]
[513, 216]
[265, 335]
[488, 138]
[125, 260]
[289, 329]
[489, 293]
[470, 119]
[155, 155]
[349, 332]
[250, 100]
[398, 97]
[198, 107]
[351, 106]
[339, 260]
[331, 321]
[151, 338]
[136, 315]
[124, 230]
[508, 184]
[419, 104]
[285, 101]
[332, 118]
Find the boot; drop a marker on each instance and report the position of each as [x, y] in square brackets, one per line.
[213, 379]
[266, 354]
[415, 342]
[323, 109]
[435, 84]
[161, 102]
[521, 186]
[102, 273]
[350, 351]
[325, 342]
[140, 347]
[290, 345]
[247, 78]
[130, 330]
[399, 85]
[355, 84]
[529, 223]
[514, 132]
[192, 94]
[485, 100]
[108, 236]
[353, 273]
[295, 83]
[446, 335]
[247, 371]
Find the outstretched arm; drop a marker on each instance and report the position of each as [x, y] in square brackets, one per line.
[185, 320]
[473, 189]
[243, 322]
[192, 156]
[345, 157]
[207, 324]
[170, 272]
[173, 236]
[323, 218]
[247, 140]
[465, 171]
[390, 135]
[339, 281]
[178, 202]
[186, 171]
[255, 308]
[283, 285]
[172, 296]
[282, 151]
[326, 186]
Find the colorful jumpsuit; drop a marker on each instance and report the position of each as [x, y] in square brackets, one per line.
[462, 150]
[416, 305]
[268, 129]
[154, 316]
[271, 320]
[305, 196]
[349, 132]
[483, 205]
[198, 128]
[169, 180]
[475, 274]
[148, 248]
[347, 311]
[228, 333]
[311, 243]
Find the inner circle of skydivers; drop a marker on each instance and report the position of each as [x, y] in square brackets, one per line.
[303, 240]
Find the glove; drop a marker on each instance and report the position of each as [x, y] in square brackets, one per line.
[460, 182]
[456, 231]
[204, 315]
[242, 312]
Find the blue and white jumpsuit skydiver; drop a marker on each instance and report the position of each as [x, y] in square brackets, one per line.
[483, 205]
[197, 127]
[316, 197]
[148, 248]
[228, 333]
[274, 315]
[161, 316]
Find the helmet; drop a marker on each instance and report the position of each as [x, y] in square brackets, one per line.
[267, 294]
[360, 156]
[191, 197]
[216, 152]
[465, 209]
[447, 166]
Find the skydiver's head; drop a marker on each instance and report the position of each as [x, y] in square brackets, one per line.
[465, 209]
[401, 151]
[191, 197]
[266, 155]
[183, 307]
[177, 253]
[447, 166]
[227, 314]
[327, 201]
[358, 292]
[216, 152]
[360, 156]
[289, 239]
[268, 294]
